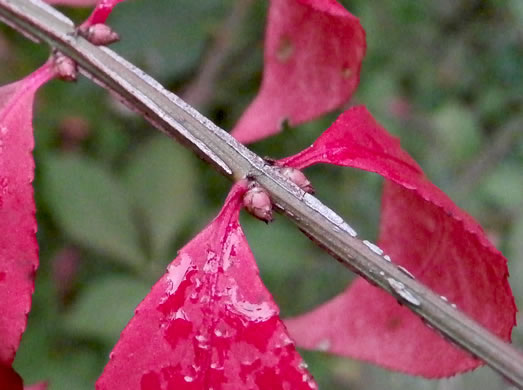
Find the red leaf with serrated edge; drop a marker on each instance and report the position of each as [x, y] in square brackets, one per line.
[209, 322]
[18, 246]
[422, 230]
[312, 59]
[101, 12]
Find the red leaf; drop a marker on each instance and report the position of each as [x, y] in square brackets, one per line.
[18, 246]
[101, 12]
[9, 379]
[209, 322]
[312, 59]
[424, 231]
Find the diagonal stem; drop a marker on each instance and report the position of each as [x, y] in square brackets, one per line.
[199, 91]
[177, 119]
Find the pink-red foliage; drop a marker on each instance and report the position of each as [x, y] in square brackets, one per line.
[425, 232]
[209, 322]
[18, 246]
[312, 59]
[101, 12]
[9, 379]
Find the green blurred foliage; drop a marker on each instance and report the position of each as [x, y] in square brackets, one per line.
[165, 40]
[113, 299]
[116, 200]
[91, 207]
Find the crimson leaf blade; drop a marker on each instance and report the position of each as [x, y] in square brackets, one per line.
[101, 12]
[209, 322]
[425, 232]
[9, 378]
[18, 246]
[312, 59]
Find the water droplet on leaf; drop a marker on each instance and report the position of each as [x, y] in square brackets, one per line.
[324, 345]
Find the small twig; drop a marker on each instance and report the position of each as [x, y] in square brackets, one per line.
[177, 119]
[200, 90]
[492, 152]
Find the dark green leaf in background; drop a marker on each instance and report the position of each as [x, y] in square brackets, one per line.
[111, 300]
[504, 186]
[457, 130]
[92, 207]
[163, 39]
[161, 180]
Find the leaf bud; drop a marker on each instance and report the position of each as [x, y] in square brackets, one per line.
[65, 67]
[298, 178]
[258, 203]
[99, 34]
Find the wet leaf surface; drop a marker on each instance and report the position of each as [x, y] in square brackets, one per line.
[18, 246]
[209, 322]
[425, 232]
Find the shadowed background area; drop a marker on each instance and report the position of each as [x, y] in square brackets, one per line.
[116, 199]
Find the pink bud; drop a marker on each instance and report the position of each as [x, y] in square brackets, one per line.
[298, 178]
[65, 267]
[73, 130]
[257, 202]
[65, 67]
[99, 34]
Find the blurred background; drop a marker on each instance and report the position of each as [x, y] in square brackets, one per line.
[116, 198]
